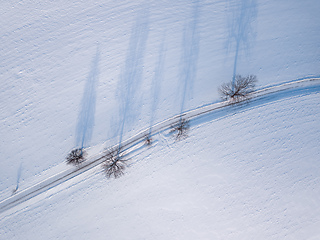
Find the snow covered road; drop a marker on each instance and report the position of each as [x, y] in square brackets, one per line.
[93, 161]
[245, 172]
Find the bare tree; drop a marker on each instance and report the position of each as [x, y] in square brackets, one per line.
[148, 139]
[114, 164]
[76, 156]
[180, 130]
[239, 90]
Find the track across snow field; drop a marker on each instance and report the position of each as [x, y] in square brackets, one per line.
[129, 144]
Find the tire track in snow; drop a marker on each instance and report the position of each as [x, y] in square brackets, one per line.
[96, 160]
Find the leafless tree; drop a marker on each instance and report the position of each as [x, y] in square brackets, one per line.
[76, 156]
[148, 140]
[114, 164]
[238, 90]
[180, 130]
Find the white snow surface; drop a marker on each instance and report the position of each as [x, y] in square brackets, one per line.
[99, 71]
[246, 172]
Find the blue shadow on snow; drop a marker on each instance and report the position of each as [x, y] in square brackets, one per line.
[85, 122]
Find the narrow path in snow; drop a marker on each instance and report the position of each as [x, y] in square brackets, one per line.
[93, 161]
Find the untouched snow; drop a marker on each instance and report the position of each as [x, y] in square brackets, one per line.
[246, 172]
[76, 73]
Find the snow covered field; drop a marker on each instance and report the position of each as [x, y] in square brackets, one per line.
[246, 172]
[79, 73]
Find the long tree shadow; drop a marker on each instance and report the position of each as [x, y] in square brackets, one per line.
[131, 78]
[85, 122]
[128, 89]
[242, 13]
[18, 178]
[156, 86]
[189, 58]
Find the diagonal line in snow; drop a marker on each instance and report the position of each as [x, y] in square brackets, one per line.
[96, 160]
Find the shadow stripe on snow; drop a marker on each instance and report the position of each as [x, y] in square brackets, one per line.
[97, 159]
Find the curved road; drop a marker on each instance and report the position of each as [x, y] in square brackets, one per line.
[96, 160]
